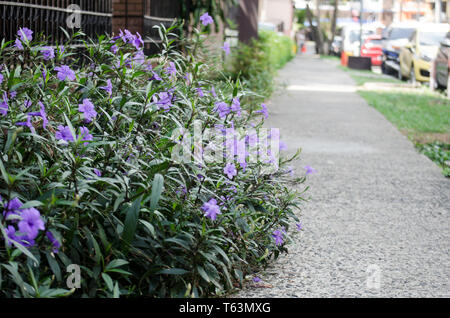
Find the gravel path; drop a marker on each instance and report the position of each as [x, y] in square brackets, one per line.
[378, 221]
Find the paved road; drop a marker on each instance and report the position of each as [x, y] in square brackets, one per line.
[377, 206]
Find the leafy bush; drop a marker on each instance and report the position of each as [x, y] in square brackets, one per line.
[256, 63]
[88, 176]
[438, 152]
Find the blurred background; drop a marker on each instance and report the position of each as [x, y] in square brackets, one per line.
[407, 39]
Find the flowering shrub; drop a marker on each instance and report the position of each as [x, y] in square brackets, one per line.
[88, 179]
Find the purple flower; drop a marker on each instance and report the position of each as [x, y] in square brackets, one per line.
[230, 170]
[256, 279]
[226, 48]
[97, 172]
[31, 223]
[278, 236]
[18, 44]
[206, 19]
[64, 134]
[65, 72]
[108, 87]
[41, 113]
[128, 37]
[137, 41]
[236, 106]
[27, 124]
[25, 34]
[11, 233]
[163, 100]
[54, 241]
[222, 108]
[139, 57]
[61, 49]
[85, 135]
[299, 226]
[155, 77]
[171, 70]
[200, 92]
[263, 110]
[309, 170]
[12, 208]
[187, 77]
[213, 92]
[87, 108]
[211, 209]
[27, 103]
[290, 170]
[114, 49]
[1, 78]
[48, 53]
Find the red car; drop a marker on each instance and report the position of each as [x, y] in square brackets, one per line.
[372, 48]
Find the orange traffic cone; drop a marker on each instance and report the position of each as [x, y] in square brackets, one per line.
[303, 48]
[343, 59]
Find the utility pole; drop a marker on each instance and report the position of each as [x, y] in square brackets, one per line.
[437, 10]
[418, 10]
[361, 26]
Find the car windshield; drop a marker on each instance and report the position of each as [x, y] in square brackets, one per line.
[431, 38]
[400, 33]
[375, 42]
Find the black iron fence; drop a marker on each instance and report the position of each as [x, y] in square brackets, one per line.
[157, 12]
[48, 16]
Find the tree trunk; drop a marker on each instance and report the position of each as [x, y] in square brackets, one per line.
[319, 41]
[315, 30]
[333, 25]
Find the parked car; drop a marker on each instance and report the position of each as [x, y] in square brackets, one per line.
[372, 48]
[421, 49]
[442, 65]
[394, 37]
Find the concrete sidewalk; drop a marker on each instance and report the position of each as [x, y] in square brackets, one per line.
[378, 223]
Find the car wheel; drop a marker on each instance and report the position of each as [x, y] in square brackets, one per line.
[412, 76]
[399, 75]
[383, 68]
[448, 85]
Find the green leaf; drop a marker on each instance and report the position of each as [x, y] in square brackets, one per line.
[116, 263]
[108, 280]
[149, 227]
[24, 250]
[157, 188]
[203, 274]
[131, 221]
[54, 266]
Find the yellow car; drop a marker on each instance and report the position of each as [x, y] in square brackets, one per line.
[416, 56]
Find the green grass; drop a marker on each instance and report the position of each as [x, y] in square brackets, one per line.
[424, 117]
[415, 113]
